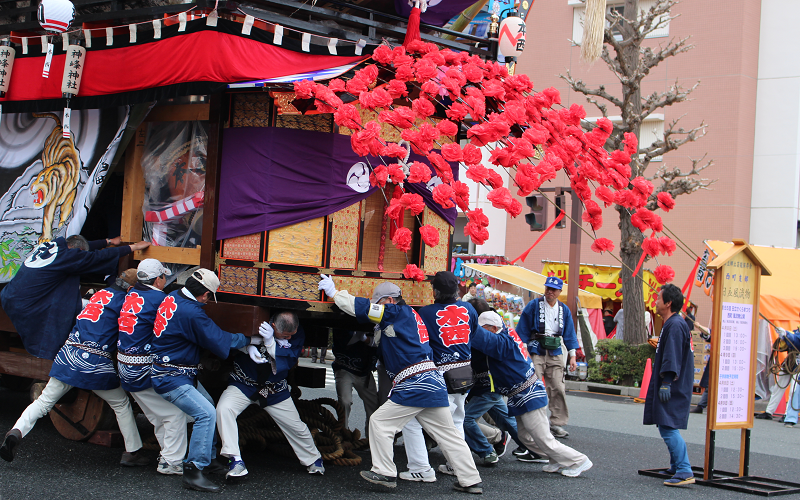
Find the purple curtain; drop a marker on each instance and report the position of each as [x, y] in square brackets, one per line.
[436, 15]
[274, 177]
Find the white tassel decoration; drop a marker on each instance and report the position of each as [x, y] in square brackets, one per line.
[594, 25]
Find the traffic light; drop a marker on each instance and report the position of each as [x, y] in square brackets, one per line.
[537, 218]
[561, 206]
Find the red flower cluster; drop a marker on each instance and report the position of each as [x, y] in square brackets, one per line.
[412, 272]
[664, 274]
[602, 245]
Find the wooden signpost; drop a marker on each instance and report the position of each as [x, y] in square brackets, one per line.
[734, 332]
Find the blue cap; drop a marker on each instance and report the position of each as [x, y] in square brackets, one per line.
[553, 282]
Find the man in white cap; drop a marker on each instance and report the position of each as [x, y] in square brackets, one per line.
[180, 331]
[418, 388]
[136, 319]
[542, 325]
[85, 361]
[515, 377]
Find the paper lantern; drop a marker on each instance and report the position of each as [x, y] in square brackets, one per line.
[73, 70]
[511, 40]
[55, 16]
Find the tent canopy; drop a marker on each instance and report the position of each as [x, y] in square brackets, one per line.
[780, 297]
[532, 281]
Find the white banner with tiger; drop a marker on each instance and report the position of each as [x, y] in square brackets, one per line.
[49, 182]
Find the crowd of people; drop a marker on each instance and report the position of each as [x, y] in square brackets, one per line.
[453, 370]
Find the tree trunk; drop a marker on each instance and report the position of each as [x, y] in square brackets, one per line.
[630, 237]
[632, 289]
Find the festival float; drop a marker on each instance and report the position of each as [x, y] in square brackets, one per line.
[239, 138]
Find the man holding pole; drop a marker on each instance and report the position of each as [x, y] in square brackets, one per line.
[670, 391]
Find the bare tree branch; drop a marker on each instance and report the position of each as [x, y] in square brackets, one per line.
[579, 86]
[673, 139]
[677, 183]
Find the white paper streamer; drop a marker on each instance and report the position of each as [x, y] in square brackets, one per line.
[44, 44]
[87, 34]
[24, 45]
[109, 37]
[212, 18]
[156, 29]
[132, 29]
[360, 46]
[182, 20]
[64, 41]
[65, 123]
[332, 45]
[248, 24]
[278, 38]
[306, 42]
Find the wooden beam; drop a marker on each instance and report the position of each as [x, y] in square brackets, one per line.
[133, 189]
[24, 365]
[171, 255]
[179, 113]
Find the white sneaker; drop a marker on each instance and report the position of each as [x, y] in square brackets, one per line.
[552, 467]
[165, 467]
[429, 476]
[576, 471]
[446, 469]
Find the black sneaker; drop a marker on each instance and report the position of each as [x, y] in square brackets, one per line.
[519, 451]
[475, 489]
[501, 447]
[531, 457]
[375, 478]
[764, 416]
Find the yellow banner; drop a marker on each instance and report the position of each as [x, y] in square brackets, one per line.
[605, 281]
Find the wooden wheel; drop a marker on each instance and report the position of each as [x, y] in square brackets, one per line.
[79, 419]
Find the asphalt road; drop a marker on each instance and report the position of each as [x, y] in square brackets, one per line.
[607, 429]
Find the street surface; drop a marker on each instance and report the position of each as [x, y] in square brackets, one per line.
[607, 428]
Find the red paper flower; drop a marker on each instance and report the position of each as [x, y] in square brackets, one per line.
[396, 89]
[478, 173]
[457, 112]
[664, 274]
[379, 176]
[642, 185]
[478, 218]
[404, 73]
[413, 272]
[602, 245]
[665, 201]
[419, 172]
[304, 89]
[651, 246]
[395, 209]
[644, 219]
[394, 150]
[396, 173]
[425, 70]
[347, 116]
[667, 245]
[382, 54]
[472, 155]
[422, 107]
[430, 88]
[452, 152]
[461, 192]
[631, 143]
[442, 168]
[430, 235]
[337, 85]
[446, 127]
[478, 234]
[605, 195]
[494, 179]
[593, 214]
[401, 117]
[443, 194]
[494, 89]
[473, 73]
[402, 239]
[500, 197]
[413, 202]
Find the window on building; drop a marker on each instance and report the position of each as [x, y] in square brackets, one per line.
[579, 11]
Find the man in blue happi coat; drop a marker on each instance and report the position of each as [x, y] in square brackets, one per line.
[418, 387]
[670, 392]
[86, 361]
[180, 331]
[542, 325]
[259, 377]
[354, 361]
[43, 299]
[134, 362]
[450, 322]
[515, 377]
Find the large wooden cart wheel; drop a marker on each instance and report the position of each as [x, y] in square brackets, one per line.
[79, 419]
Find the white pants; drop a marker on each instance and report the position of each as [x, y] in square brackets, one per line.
[533, 429]
[391, 417]
[364, 386]
[116, 398]
[776, 393]
[169, 423]
[416, 452]
[233, 402]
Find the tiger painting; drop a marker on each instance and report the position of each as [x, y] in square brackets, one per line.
[56, 185]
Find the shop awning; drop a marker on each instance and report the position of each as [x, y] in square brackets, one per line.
[532, 281]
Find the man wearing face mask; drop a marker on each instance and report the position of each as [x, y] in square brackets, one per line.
[542, 325]
[259, 377]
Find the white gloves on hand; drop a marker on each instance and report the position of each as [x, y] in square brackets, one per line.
[266, 331]
[326, 285]
[255, 355]
[781, 332]
[256, 340]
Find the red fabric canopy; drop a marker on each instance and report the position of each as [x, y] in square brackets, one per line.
[206, 56]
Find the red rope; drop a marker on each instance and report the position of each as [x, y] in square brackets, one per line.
[525, 254]
[412, 30]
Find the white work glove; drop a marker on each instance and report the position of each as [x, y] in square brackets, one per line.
[255, 355]
[266, 331]
[781, 332]
[256, 340]
[326, 285]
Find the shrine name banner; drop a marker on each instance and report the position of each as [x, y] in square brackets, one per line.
[733, 354]
[605, 281]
